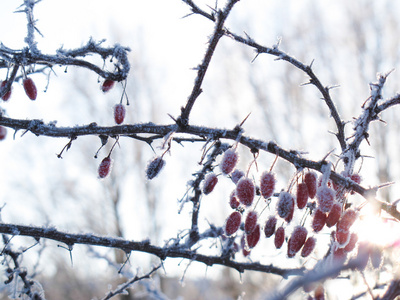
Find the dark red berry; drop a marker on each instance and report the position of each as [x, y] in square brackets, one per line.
[245, 249]
[229, 161]
[3, 133]
[253, 237]
[245, 191]
[209, 183]
[301, 195]
[267, 184]
[352, 242]
[251, 222]
[270, 226]
[285, 204]
[236, 175]
[279, 237]
[310, 179]
[347, 219]
[339, 256]
[334, 215]
[326, 198]
[356, 178]
[342, 237]
[308, 247]
[7, 95]
[154, 167]
[319, 293]
[107, 85]
[30, 88]
[296, 240]
[119, 113]
[319, 220]
[233, 201]
[104, 167]
[232, 223]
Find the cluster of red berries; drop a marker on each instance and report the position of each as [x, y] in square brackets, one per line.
[29, 87]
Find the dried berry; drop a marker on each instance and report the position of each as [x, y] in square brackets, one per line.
[319, 220]
[229, 161]
[334, 214]
[251, 222]
[308, 247]
[7, 95]
[30, 88]
[352, 242]
[267, 184]
[119, 113]
[233, 201]
[3, 133]
[301, 195]
[107, 85]
[310, 179]
[270, 226]
[154, 167]
[296, 240]
[245, 191]
[232, 223]
[279, 237]
[104, 167]
[285, 204]
[253, 237]
[236, 175]
[325, 197]
[209, 183]
[347, 219]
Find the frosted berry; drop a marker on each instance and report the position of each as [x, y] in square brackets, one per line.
[154, 167]
[245, 250]
[233, 201]
[325, 197]
[236, 175]
[310, 179]
[30, 88]
[253, 237]
[229, 161]
[232, 223]
[347, 219]
[270, 226]
[339, 256]
[209, 183]
[296, 240]
[107, 85]
[342, 237]
[285, 204]
[251, 222]
[363, 255]
[279, 237]
[334, 214]
[308, 247]
[319, 220]
[352, 242]
[267, 184]
[7, 95]
[119, 113]
[104, 167]
[3, 133]
[301, 195]
[245, 191]
[356, 178]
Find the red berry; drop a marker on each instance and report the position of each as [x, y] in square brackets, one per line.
[30, 88]
[308, 247]
[245, 250]
[334, 215]
[233, 201]
[339, 256]
[245, 191]
[119, 113]
[270, 226]
[325, 197]
[107, 85]
[229, 161]
[251, 222]
[342, 237]
[297, 240]
[319, 293]
[285, 204]
[302, 195]
[279, 237]
[267, 184]
[232, 223]
[318, 221]
[236, 175]
[209, 183]
[154, 167]
[104, 167]
[7, 95]
[310, 179]
[347, 219]
[3, 133]
[289, 217]
[352, 242]
[253, 237]
[356, 178]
